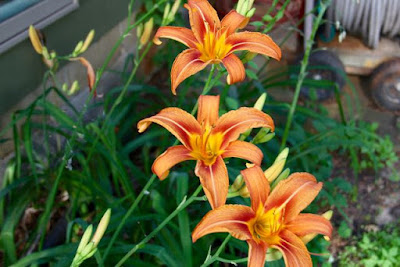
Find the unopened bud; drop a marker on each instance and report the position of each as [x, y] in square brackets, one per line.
[74, 88]
[139, 30]
[78, 48]
[64, 87]
[148, 28]
[281, 177]
[237, 184]
[102, 227]
[85, 238]
[33, 36]
[166, 14]
[88, 41]
[251, 12]
[87, 249]
[245, 8]
[174, 9]
[307, 238]
[272, 172]
[260, 101]
[258, 105]
[244, 192]
[248, 57]
[273, 255]
[263, 136]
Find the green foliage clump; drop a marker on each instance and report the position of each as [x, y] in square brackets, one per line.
[375, 248]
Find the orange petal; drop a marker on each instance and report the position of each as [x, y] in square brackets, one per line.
[175, 120]
[168, 159]
[227, 218]
[254, 42]
[207, 114]
[243, 150]
[232, 21]
[235, 122]
[215, 181]
[235, 68]
[203, 18]
[305, 224]
[183, 35]
[185, 65]
[294, 194]
[257, 253]
[257, 185]
[294, 251]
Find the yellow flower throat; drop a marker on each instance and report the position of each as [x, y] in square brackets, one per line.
[266, 225]
[214, 47]
[206, 147]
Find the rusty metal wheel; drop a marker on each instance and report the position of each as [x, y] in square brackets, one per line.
[385, 85]
[322, 65]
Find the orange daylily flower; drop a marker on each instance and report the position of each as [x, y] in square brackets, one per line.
[209, 140]
[273, 220]
[212, 41]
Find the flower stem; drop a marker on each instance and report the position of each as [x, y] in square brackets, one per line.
[302, 74]
[215, 257]
[127, 215]
[206, 89]
[180, 207]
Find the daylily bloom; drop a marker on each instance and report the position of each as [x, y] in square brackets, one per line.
[212, 41]
[273, 220]
[209, 140]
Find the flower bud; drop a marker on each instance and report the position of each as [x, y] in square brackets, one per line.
[102, 227]
[237, 184]
[281, 177]
[148, 28]
[258, 105]
[263, 136]
[244, 192]
[245, 8]
[251, 12]
[272, 172]
[307, 238]
[77, 48]
[260, 101]
[87, 250]
[273, 254]
[174, 9]
[33, 36]
[88, 41]
[166, 14]
[74, 88]
[139, 30]
[64, 87]
[85, 238]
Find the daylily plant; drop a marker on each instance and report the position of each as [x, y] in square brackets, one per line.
[209, 140]
[212, 41]
[273, 220]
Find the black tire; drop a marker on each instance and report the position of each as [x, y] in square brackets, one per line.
[323, 65]
[385, 85]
